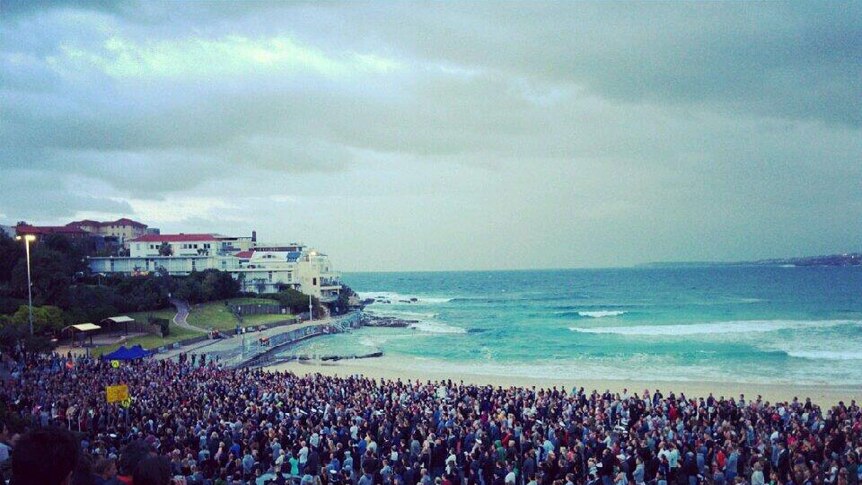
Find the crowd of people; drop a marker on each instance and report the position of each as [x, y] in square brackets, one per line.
[195, 422]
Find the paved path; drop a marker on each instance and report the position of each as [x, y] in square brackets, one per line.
[182, 315]
[235, 342]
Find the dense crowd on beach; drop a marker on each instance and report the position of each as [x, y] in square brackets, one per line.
[195, 422]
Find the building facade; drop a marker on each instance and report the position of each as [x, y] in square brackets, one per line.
[118, 231]
[264, 268]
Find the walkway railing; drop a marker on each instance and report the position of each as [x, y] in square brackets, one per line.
[259, 352]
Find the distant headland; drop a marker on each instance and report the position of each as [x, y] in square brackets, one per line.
[846, 259]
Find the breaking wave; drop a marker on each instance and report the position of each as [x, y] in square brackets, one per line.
[398, 298]
[437, 327]
[602, 313]
[744, 326]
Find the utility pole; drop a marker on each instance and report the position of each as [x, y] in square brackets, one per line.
[27, 238]
[310, 314]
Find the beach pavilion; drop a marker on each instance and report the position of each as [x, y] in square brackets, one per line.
[87, 329]
[122, 319]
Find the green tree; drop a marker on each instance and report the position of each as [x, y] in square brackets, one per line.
[51, 274]
[46, 319]
[190, 289]
[297, 301]
[165, 249]
[14, 337]
[342, 304]
[92, 304]
[142, 293]
[218, 285]
[11, 251]
[10, 305]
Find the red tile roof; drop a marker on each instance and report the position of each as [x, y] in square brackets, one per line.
[124, 222]
[42, 230]
[174, 238]
[85, 222]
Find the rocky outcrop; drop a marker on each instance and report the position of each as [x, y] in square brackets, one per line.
[387, 322]
[387, 301]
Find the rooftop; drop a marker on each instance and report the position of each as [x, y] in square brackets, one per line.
[174, 238]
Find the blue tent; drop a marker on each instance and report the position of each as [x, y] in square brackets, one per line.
[123, 353]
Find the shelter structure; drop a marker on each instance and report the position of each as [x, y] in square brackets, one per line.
[87, 329]
[122, 319]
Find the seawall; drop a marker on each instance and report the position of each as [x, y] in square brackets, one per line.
[257, 349]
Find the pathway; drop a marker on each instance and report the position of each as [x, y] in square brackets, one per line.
[183, 314]
[233, 342]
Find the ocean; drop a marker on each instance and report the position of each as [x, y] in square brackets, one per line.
[739, 324]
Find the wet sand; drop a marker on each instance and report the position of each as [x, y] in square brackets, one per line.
[388, 367]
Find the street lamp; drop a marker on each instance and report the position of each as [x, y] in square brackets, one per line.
[28, 238]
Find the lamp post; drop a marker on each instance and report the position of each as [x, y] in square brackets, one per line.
[27, 238]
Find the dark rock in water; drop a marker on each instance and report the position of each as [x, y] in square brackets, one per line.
[414, 299]
[476, 330]
[336, 358]
[403, 301]
[368, 301]
[388, 322]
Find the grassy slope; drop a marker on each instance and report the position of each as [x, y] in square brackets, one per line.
[151, 341]
[216, 315]
[212, 315]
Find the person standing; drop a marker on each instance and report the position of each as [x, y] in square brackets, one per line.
[46, 456]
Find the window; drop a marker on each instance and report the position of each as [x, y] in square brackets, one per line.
[314, 281]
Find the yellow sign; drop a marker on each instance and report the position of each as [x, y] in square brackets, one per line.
[127, 402]
[117, 393]
[115, 364]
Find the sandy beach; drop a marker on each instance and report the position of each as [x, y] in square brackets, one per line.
[388, 367]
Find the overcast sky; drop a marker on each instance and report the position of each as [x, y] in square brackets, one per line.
[444, 135]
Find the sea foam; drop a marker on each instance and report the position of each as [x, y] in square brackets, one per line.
[399, 298]
[602, 313]
[745, 326]
[437, 327]
[825, 354]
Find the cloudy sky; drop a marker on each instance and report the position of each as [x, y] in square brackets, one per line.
[444, 135]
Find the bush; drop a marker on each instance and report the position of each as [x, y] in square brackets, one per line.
[164, 324]
[46, 319]
[296, 301]
[10, 305]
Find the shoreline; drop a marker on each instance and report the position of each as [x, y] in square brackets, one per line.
[392, 368]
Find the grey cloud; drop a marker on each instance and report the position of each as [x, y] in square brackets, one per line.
[798, 61]
[44, 196]
[572, 134]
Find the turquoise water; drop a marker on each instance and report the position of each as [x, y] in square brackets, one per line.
[733, 324]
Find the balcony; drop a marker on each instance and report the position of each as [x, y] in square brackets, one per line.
[330, 284]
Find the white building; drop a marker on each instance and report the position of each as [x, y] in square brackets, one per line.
[294, 266]
[122, 229]
[263, 268]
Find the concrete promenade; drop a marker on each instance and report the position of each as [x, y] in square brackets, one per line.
[236, 350]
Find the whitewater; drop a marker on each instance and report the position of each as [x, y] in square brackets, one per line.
[727, 324]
